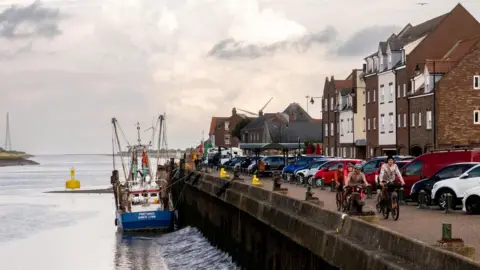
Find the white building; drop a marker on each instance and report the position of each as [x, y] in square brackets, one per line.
[345, 108]
[387, 137]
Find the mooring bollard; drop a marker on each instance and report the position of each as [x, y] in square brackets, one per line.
[369, 192]
[308, 193]
[446, 231]
[422, 204]
[332, 186]
[322, 184]
[448, 204]
[401, 199]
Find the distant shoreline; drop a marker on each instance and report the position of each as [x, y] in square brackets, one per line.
[16, 162]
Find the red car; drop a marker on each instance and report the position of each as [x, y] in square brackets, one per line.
[327, 174]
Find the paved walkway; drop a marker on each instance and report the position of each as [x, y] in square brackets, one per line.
[424, 225]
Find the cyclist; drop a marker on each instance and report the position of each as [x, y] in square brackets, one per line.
[356, 177]
[340, 176]
[388, 171]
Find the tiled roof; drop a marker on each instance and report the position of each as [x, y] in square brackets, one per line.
[215, 122]
[339, 84]
[440, 66]
[461, 48]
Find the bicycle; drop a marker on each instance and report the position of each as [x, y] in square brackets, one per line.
[389, 202]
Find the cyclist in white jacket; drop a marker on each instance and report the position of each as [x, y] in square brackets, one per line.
[388, 171]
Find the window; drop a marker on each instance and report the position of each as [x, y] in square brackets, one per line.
[326, 130]
[371, 165]
[419, 119]
[413, 120]
[476, 117]
[404, 90]
[429, 119]
[404, 120]
[399, 119]
[335, 166]
[414, 169]
[476, 82]
[374, 95]
[227, 125]
[332, 105]
[341, 128]
[389, 59]
[344, 151]
[325, 105]
[399, 91]
[374, 123]
[332, 153]
[390, 97]
[331, 129]
[474, 173]
[382, 94]
[412, 86]
[382, 123]
[371, 153]
[452, 171]
[368, 125]
[368, 96]
[392, 122]
[326, 151]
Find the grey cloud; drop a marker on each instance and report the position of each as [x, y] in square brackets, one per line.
[41, 21]
[233, 49]
[366, 40]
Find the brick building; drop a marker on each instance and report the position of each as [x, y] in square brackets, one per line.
[221, 128]
[330, 114]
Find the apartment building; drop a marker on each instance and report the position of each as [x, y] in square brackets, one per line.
[359, 118]
[370, 78]
[330, 114]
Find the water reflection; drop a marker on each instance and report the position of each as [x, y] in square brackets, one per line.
[183, 249]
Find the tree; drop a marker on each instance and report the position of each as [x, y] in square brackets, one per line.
[240, 125]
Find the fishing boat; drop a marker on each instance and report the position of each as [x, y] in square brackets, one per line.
[143, 200]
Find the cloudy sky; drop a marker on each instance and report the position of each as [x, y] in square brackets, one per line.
[67, 67]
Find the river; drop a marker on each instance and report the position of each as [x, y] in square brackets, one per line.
[76, 231]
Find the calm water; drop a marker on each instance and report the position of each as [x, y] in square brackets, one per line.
[76, 231]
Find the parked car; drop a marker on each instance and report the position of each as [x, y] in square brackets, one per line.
[457, 186]
[313, 170]
[327, 173]
[302, 173]
[233, 161]
[471, 201]
[370, 168]
[302, 162]
[449, 171]
[428, 164]
[272, 163]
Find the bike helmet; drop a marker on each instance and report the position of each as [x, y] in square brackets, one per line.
[358, 166]
[349, 165]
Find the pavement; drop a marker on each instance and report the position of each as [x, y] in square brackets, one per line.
[422, 224]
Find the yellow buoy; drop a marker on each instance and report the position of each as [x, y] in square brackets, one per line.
[256, 181]
[72, 183]
[223, 173]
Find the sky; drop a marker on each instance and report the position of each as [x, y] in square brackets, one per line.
[68, 66]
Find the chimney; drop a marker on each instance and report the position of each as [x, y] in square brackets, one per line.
[364, 67]
[326, 79]
[234, 111]
[332, 79]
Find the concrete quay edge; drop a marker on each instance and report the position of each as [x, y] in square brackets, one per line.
[315, 228]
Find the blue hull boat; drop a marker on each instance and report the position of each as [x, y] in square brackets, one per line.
[145, 221]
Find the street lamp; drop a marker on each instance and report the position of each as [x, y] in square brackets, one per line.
[312, 100]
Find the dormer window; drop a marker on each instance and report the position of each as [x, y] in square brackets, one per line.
[389, 59]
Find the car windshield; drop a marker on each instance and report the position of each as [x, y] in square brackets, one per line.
[326, 164]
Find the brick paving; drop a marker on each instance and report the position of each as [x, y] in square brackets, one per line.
[424, 225]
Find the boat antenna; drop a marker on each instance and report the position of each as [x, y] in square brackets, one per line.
[113, 147]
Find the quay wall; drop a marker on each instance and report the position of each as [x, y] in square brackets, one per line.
[261, 229]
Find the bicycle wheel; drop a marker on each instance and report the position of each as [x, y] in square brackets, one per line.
[346, 204]
[379, 203]
[385, 205]
[339, 201]
[395, 206]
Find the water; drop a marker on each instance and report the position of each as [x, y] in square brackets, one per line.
[76, 231]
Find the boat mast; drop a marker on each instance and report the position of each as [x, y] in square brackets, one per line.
[138, 134]
[114, 123]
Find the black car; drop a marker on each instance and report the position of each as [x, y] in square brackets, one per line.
[450, 171]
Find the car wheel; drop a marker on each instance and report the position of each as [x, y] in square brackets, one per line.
[442, 199]
[472, 205]
[318, 182]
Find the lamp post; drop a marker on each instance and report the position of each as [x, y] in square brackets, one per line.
[311, 100]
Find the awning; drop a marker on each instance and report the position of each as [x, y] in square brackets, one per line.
[361, 142]
[267, 146]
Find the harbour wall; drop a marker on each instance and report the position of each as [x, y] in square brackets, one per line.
[262, 229]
